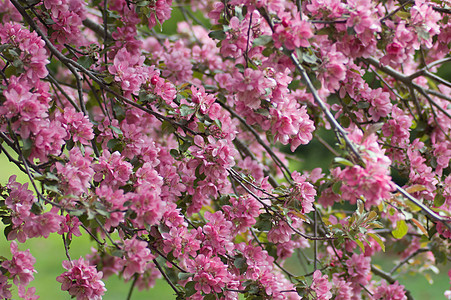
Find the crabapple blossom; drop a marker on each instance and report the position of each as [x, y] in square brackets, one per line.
[184, 148]
[81, 280]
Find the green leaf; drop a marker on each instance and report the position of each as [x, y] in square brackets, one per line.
[439, 200]
[345, 121]
[77, 212]
[240, 263]
[117, 130]
[218, 35]
[186, 110]
[378, 240]
[7, 230]
[184, 276]
[336, 187]
[264, 223]
[189, 288]
[262, 40]
[117, 252]
[167, 127]
[51, 176]
[423, 33]
[240, 67]
[360, 207]
[239, 13]
[310, 58]
[85, 61]
[268, 51]
[210, 297]
[347, 100]
[143, 3]
[27, 145]
[52, 188]
[174, 153]
[70, 144]
[114, 144]
[400, 230]
[343, 161]
[359, 242]
[363, 105]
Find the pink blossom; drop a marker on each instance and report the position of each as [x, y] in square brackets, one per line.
[303, 192]
[181, 242]
[160, 12]
[393, 291]
[33, 54]
[78, 126]
[112, 169]
[76, 174]
[210, 274]
[217, 234]
[27, 294]
[242, 212]
[342, 288]
[81, 280]
[321, 286]
[292, 32]
[202, 99]
[137, 255]
[70, 226]
[5, 291]
[359, 268]
[20, 266]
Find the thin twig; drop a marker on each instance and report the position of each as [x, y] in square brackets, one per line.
[424, 208]
[246, 53]
[406, 260]
[66, 248]
[132, 286]
[92, 235]
[166, 277]
[395, 11]
[328, 147]
[438, 94]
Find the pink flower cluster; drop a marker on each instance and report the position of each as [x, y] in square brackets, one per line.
[160, 12]
[393, 291]
[321, 286]
[82, 280]
[212, 158]
[303, 192]
[78, 126]
[372, 181]
[26, 224]
[137, 256]
[210, 274]
[30, 50]
[188, 172]
[359, 270]
[242, 212]
[76, 174]
[291, 32]
[21, 270]
[67, 16]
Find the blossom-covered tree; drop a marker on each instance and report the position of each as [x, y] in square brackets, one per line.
[164, 148]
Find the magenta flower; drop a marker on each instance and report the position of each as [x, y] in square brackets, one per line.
[20, 266]
[82, 280]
